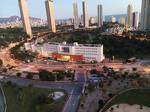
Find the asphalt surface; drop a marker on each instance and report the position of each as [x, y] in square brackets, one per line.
[73, 101]
[2, 104]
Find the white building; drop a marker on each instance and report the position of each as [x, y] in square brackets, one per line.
[113, 19]
[69, 52]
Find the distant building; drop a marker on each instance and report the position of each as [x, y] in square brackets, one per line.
[81, 20]
[50, 15]
[92, 20]
[122, 20]
[145, 15]
[69, 52]
[76, 18]
[100, 15]
[25, 17]
[113, 19]
[135, 20]
[85, 14]
[129, 17]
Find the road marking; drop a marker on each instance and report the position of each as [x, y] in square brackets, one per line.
[72, 91]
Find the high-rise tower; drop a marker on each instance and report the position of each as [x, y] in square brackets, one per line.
[145, 15]
[129, 17]
[85, 14]
[75, 12]
[25, 17]
[50, 15]
[100, 15]
[122, 20]
[135, 23]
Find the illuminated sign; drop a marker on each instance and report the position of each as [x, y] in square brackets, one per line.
[65, 49]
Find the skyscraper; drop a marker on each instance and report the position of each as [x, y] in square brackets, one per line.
[76, 18]
[135, 23]
[129, 17]
[25, 17]
[145, 15]
[100, 15]
[122, 20]
[85, 14]
[50, 15]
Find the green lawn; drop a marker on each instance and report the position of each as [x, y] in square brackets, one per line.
[29, 99]
[138, 96]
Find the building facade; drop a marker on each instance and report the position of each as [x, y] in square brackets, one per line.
[50, 15]
[113, 19]
[85, 14]
[76, 18]
[145, 15]
[69, 52]
[100, 15]
[129, 17]
[25, 17]
[122, 20]
[135, 23]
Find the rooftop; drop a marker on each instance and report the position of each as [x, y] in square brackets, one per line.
[75, 44]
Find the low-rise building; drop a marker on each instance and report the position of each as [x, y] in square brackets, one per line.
[69, 52]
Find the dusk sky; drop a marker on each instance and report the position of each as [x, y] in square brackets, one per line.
[63, 8]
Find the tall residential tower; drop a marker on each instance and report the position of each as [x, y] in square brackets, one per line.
[100, 15]
[129, 17]
[76, 18]
[25, 17]
[85, 14]
[135, 23]
[50, 15]
[145, 15]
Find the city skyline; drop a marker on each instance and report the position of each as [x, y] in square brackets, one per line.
[38, 10]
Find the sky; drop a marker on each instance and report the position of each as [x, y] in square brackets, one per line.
[64, 8]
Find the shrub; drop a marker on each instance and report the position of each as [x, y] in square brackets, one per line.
[18, 74]
[29, 76]
[46, 75]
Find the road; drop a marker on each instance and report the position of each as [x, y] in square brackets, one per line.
[2, 104]
[73, 101]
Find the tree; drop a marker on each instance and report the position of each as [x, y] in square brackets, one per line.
[101, 103]
[110, 95]
[141, 106]
[42, 99]
[90, 87]
[29, 76]
[59, 76]
[72, 77]
[134, 69]
[1, 63]
[46, 75]
[18, 74]
[93, 71]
